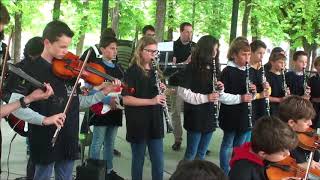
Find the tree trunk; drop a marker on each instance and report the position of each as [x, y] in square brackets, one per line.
[314, 54]
[234, 20]
[56, 9]
[291, 52]
[136, 35]
[104, 15]
[170, 20]
[245, 19]
[115, 18]
[82, 30]
[254, 26]
[17, 35]
[308, 49]
[80, 43]
[160, 18]
[193, 12]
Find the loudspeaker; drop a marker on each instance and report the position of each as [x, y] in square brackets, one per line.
[92, 169]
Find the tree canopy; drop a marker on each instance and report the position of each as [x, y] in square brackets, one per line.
[293, 21]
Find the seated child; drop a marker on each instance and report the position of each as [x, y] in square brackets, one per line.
[298, 113]
[271, 141]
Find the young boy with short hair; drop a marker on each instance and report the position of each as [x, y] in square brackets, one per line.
[296, 78]
[298, 113]
[271, 141]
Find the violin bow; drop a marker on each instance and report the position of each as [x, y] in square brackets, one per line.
[4, 63]
[309, 165]
[56, 133]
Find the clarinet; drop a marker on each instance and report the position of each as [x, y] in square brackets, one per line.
[285, 86]
[214, 90]
[264, 80]
[305, 82]
[165, 106]
[248, 92]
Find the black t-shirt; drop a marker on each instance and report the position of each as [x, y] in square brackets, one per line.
[181, 52]
[314, 83]
[143, 122]
[301, 155]
[199, 117]
[247, 170]
[234, 117]
[276, 84]
[295, 83]
[66, 147]
[258, 105]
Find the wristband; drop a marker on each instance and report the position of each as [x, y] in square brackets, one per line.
[22, 103]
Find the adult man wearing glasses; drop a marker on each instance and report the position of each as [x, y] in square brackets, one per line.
[181, 54]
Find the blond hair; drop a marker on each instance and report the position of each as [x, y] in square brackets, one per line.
[142, 43]
[238, 44]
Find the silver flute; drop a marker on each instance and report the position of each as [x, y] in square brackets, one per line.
[215, 89]
[264, 80]
[248, 82]
[155, 64]
[285, 86]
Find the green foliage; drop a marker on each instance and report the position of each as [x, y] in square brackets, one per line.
[31, 18]
[290, 20]
[297, 21]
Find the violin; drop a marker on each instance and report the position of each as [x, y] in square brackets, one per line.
[93, 73]
[289, 168]
[309, 140]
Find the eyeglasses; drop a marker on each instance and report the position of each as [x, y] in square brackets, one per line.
[151, 51]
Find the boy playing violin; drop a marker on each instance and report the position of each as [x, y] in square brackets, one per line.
[298, 113]
[57, 37]
[271, 141]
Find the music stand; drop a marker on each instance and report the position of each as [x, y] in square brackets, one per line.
[166, 53]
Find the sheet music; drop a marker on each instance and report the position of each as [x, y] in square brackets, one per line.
[165, 46]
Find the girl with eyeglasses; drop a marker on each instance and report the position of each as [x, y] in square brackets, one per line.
[143, 110]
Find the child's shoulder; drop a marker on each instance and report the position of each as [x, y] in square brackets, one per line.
[290, 73]
[246, 169]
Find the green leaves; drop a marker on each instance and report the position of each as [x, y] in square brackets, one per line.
[297, 21]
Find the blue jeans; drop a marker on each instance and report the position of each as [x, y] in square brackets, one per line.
[62, 170]
[197, 144]
[230, 140]
[103, 135]
[155, 148]
[248, 136]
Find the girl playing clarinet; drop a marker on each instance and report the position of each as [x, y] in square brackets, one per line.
[143, 110]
